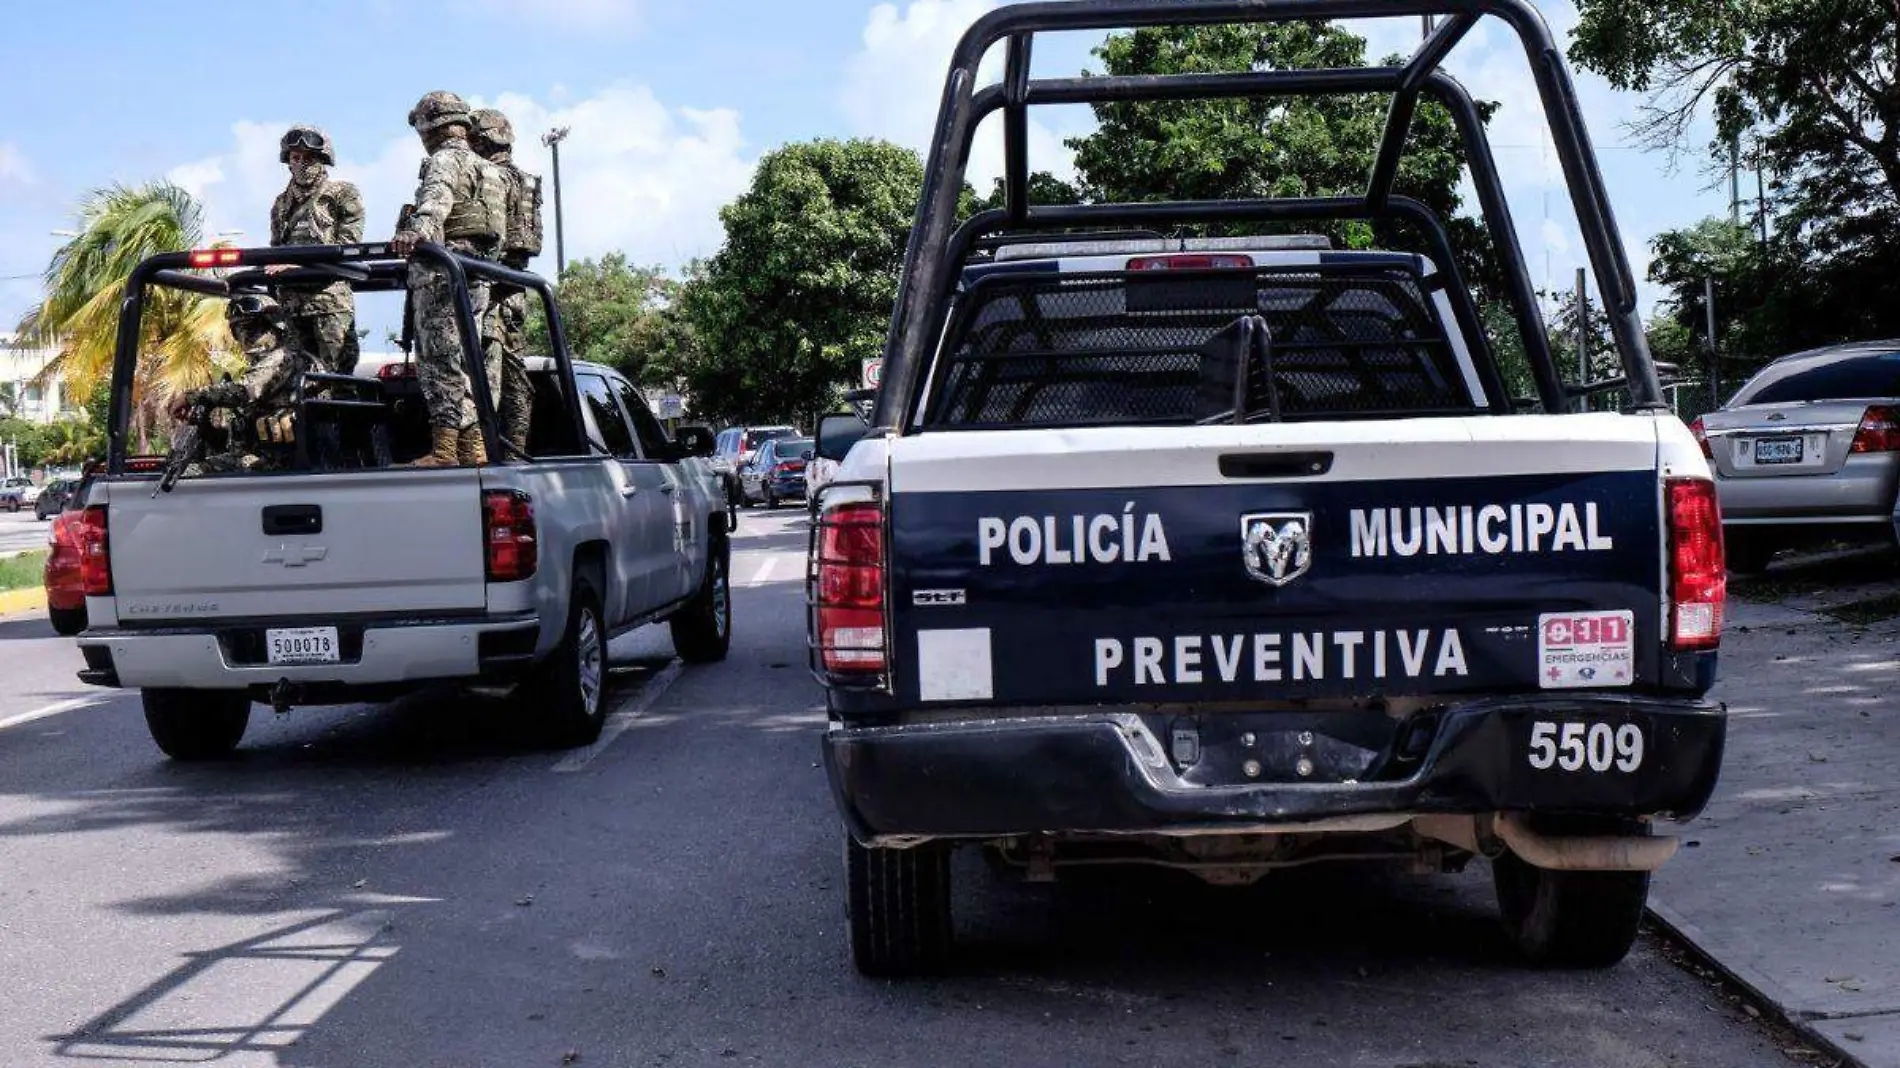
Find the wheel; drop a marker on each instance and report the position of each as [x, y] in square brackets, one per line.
[771, 498]
[898, 901]
[1748, 553]
[196, 724]
[702, 630]
[67, 621]
[1569, 919]
[567, 689]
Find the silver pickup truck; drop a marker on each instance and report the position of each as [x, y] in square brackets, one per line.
[326, 572]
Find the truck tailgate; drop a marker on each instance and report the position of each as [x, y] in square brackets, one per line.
[283, 546]
[1276, 561]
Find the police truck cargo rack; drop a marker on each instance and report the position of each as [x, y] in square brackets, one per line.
[1238, 554]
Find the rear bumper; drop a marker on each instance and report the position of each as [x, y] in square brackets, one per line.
[1111, 771]
[1861, 491]
[374, 654]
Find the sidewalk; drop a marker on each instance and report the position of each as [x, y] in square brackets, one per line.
[1790, 880]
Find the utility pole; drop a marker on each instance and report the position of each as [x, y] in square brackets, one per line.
[1734, 180]
[1761, 205]
[553, 139]
[1715, 361]
[1583, 337]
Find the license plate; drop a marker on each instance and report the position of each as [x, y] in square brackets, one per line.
[1579, 649]
[1778, 450]
[302, 645]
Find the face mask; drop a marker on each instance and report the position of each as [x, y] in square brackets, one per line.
[310, 172]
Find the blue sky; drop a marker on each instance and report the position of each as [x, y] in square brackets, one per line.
[670, 102]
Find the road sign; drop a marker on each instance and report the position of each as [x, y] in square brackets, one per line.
[672, 406]
[873, 371]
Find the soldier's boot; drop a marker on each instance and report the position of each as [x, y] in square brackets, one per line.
[470, 449]
[444, 452]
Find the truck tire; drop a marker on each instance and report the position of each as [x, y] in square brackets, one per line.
[196, 724]
[898, 902]
[568, 689]
[702, 629]
[1569, 919]
[67, 621]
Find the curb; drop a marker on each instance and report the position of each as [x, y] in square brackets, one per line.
[1757, 983]
[28, 599]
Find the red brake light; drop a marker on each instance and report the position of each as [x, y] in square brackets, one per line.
[850, 593]
[216, 257]
[1879, 431]
[1701, 437]
[388, 371]
[508, 533]
[144, 465]
[1698, 574]
[95, 551]
[1188, 262]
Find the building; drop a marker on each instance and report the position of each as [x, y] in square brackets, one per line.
[20, 395]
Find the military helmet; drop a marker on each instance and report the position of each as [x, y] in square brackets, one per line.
[253, 309]
[310, 139]
[437, 109]
[492, 126]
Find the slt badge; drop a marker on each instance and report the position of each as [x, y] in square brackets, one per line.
[1277, 547]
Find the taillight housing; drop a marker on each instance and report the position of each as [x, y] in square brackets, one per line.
[1698, 573]
[388, 371]
[1194, 261]
[1702, 437]
[1879, 430]
[508, 534]
[849, 598]
[95, 551]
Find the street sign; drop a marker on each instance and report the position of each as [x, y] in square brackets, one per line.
[672, 406]
[873, 371]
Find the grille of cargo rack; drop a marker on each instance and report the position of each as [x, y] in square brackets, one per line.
[1161, 348]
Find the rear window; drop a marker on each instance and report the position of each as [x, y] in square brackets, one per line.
[1171, 348]
[790, 448]
[756, 438]
[1823, 378]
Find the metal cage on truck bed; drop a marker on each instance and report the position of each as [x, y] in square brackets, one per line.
[938, 247]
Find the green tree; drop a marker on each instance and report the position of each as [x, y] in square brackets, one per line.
[803, 285]
[1044, 188]
[183, 334]
[1280, 147]
[616, 313]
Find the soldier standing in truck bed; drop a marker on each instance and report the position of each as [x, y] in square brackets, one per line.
[461, 202]
[315, 209]
[505, 336]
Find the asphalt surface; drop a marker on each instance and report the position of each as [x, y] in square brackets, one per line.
[409, 885]
[21, 532]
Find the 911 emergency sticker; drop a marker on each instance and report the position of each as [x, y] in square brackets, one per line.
[1578, 649]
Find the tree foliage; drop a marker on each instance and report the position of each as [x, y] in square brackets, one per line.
[803, 286]
[618, 314]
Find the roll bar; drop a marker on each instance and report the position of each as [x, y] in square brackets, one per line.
[936, 247]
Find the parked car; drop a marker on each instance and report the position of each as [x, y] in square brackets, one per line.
[777, 472]
[735, 447]
[29, 492]
[833, 439]
[12, 498]
[65, 587]
[53, 497]
[1808, 450]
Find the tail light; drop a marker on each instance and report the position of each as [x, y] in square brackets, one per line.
[1193, 262]
[95, 551]
[508, 533]
[788, 468]
[850, 589]
[1698, 574]
[1701, 437]
[215, 257]
[1879, 430]
[396, 370]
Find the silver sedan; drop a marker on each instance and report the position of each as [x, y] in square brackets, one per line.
[1808, 450]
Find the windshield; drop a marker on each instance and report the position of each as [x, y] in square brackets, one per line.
[1823, 378]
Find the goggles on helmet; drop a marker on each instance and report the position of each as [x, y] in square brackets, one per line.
[308, 140]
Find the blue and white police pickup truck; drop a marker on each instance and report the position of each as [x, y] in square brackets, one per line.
[1234, 555]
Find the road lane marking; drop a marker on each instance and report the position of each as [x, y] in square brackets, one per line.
[49, 710]
[631, 707]
[764, 572]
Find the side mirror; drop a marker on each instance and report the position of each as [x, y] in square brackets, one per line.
[806, 455]
[837, 433]
[694, 440]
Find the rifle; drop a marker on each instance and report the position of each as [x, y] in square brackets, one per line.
[403, 218]
[188, 447]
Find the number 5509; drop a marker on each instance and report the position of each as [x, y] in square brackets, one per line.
[1597, 746]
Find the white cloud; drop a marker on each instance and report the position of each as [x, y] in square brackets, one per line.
[14, 166]
[893, 86]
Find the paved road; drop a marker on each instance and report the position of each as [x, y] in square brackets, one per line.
[21, 532]
[407, 886]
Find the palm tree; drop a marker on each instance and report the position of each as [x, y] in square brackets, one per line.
[183, 339]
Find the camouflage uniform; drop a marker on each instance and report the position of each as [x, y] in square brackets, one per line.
[264, 394]
[460, 203]
[314, 209]
[506, 334]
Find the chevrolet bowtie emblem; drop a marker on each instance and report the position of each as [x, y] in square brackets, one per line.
[295, 555]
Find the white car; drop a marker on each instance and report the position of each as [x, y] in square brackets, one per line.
[29, 493]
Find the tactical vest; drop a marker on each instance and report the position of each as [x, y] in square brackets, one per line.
[524, 214]
[480, 210]
[302, 225]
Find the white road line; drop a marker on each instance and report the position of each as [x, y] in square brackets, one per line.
[631, 707]
[764, 572]
[49, 710]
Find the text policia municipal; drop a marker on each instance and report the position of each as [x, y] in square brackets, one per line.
[1301, 656]
[1451, 530]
